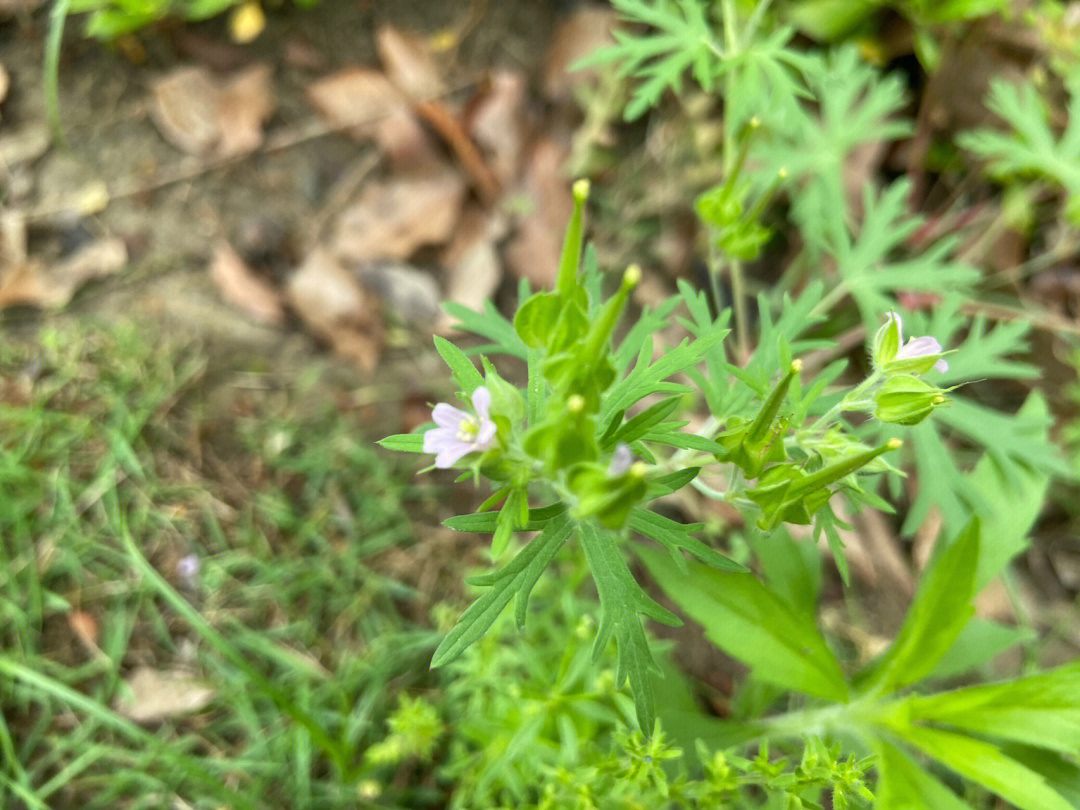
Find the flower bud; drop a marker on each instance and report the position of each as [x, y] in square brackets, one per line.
[906, 400]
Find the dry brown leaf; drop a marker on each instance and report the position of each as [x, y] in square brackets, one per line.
[408, 293]
[33, 283]
[586, 30]
[247, 102]
[241, 287]
[158, 695]
[336, 309]
[24, 145]
[409, 63]
[497, 124]
[533, 252]
[85, 628]
[394, 217]
[367, 103]
[17, 8]
[204, 115]
[473, 268]
[184, 108]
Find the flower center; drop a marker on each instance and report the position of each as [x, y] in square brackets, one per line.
[468, 429]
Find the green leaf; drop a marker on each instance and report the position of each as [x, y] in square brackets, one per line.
[1042, 710]
[489, 324]
[903, 784]
[978, 643]
[941, 608]
[621, 600]
[1062, 775]
[671, 482]
[675, 536]
[639, 425]
[986, 765]
[404, 442]
[487, 522]
[751, 623]
[516, 578]
[465, 373]
[647, 377]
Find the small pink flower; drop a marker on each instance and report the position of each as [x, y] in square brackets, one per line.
[917, 347]
[459, 433]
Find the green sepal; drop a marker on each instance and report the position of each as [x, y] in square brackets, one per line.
[506, 399]
[405, 442]
[886, 343]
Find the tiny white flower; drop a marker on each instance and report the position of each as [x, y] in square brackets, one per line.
[458, 433]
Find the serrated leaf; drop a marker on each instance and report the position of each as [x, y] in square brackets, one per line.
[647, 377]
[903, 784]
[938, 613]
[676, 536]
[487, 522]
[489, 324]
[751, 623]
[621, 600]
[515, 579]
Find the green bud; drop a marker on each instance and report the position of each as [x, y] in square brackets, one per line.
[570, 260]
[906, 400]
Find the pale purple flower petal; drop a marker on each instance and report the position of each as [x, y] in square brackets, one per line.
[460, 433]
[924, 346]
[481, 401]
[919, 347]
[621, 460]
[447, 416]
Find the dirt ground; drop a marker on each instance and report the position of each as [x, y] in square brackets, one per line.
[170, 209]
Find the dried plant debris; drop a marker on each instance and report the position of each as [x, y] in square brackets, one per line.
[533, 251]
[333, 305]
[155, 695]
[33, 281]
[410, 63]
[244, 288]
[372, 108]
[394, 217]
[204, 115]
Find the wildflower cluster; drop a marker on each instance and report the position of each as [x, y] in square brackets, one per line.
[578, 454]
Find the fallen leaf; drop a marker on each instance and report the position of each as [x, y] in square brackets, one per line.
[24, 145]
[439, 117]
[184, 108]
[373, 109]
[18, 8]
[85, 628]
[396, 216]
[332, 304]
[300, 53]
[246, 103]
[497, 124]
[473, 268]
[31, 282]
[409, 293]
[204, 115]
[240, 286]
[583, 32]
[157, 695]
[533, 252]
[409, 63]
